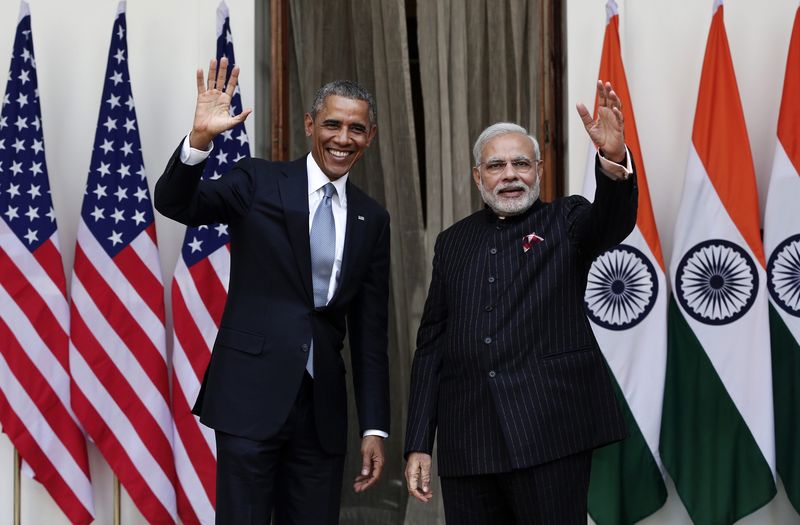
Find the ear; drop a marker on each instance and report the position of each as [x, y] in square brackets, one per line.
[476, 176]
[372, 132]
[308, 124]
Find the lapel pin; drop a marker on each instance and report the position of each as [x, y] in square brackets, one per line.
[529, 240]
[361, 217]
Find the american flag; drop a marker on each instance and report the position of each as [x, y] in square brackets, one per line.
[118, 339]
[34, 317]
[199, 289]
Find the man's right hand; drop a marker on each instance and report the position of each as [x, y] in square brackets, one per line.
[418, 476]
[212, 113]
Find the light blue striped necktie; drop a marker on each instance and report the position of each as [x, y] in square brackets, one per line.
[323, 252]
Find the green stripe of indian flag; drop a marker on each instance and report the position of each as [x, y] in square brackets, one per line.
[719, 472]
[739, 351]
[717, 434]
[781, 224]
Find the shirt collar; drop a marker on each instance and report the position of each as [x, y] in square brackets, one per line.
[317, 179]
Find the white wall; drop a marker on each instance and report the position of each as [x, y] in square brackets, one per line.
[167, 41]
[663, 44]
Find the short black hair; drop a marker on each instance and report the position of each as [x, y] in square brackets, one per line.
[344, 88]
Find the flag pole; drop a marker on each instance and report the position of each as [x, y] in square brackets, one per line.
[17, 488]
[117, 514]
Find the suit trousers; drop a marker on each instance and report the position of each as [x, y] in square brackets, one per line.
[552, 493]
[288, 474]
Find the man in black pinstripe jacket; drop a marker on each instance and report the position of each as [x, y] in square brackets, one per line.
[507, 368]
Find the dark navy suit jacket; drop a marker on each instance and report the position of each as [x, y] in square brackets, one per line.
[269, 319]
[507, 369]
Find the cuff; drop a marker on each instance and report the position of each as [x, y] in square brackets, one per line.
[616, 171]
[191, 156]
[373, 432]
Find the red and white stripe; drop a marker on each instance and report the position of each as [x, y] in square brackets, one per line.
[119, 368]
[198, 298]
[34, 373]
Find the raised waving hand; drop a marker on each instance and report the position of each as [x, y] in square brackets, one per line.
[212, 113]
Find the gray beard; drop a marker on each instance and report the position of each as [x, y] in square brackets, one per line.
[509, 207]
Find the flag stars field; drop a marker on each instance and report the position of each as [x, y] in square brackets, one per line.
[113, 101]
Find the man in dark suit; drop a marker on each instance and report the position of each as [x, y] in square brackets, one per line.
[506, 367]
[309, 261]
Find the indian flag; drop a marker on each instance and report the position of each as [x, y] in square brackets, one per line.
[782, 245]
[717, 438]
[626, 302]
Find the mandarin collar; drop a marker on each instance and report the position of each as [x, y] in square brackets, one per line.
[492, 218]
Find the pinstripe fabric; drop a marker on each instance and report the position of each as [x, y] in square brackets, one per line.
[553, 493]
[507, 368]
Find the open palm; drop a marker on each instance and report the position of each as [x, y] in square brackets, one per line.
[212, 114]
[608, 131]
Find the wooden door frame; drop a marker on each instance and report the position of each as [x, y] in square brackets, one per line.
[552, 125]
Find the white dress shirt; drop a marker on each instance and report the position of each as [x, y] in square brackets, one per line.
[615, 171]
[316, 180]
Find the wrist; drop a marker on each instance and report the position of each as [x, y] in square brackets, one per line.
[617, 157]
[198, 140]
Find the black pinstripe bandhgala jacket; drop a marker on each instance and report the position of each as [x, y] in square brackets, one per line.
[507, 369]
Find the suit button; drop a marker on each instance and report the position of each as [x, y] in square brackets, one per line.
[304, 347]
[492, 373]
[490, 279]
[493, 251]
[487, 340]
[488, 308]
[498, 227]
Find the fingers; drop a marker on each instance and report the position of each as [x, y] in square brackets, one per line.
[602, 96]
[618, 114]
[425, 477]
[418, 478]
[606, 95]
[371, 463]
[241, 117]
[232, 81]
[584, 114]
[216, 77]
[613, 99]
[200, 82]
[222, 72]
[366, 462]
[212, 74]
[377, 468]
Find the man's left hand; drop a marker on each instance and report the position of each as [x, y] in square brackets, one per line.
[607, 132]
[372, 461]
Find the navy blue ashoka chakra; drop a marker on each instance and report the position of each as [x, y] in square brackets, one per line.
[716, 282]
[622, 288]
[783, 275]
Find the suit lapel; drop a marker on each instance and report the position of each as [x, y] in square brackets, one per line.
[294, 198]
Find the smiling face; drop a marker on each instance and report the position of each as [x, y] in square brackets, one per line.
[508, 174]
[339, 134]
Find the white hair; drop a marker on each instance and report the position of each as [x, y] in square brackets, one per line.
[501, 128]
